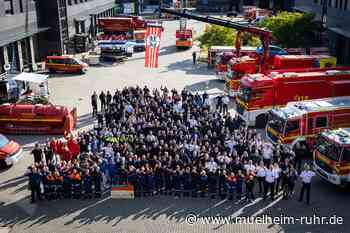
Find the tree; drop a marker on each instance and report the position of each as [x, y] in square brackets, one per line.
[218, 35]
[291, 29]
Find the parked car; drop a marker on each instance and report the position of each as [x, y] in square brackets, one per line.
[10, 152]
[66, 64]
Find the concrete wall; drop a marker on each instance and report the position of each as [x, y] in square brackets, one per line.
[16, 20]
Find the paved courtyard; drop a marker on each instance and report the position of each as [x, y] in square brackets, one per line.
[151, 214]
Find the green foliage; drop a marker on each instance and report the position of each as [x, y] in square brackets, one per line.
[218, 35]
[291, 29]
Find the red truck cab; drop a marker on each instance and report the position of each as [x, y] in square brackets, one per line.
[259, 93]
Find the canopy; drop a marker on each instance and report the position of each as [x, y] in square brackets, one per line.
[31, 77]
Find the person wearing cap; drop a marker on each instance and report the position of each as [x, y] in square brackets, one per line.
[306, 177]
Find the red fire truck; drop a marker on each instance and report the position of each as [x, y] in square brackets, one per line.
[259, 93]
[221, 66]
[36, 119]
[301, 121]
[238, 67]
[332, 156]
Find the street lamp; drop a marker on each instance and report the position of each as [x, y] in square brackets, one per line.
[324, 13]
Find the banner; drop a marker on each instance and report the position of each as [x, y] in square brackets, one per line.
[153, 36]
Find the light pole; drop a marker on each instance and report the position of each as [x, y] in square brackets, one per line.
[324, 13]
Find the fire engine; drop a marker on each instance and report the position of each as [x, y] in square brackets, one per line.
[36, 119]
[332, 156]
[238, 67]
[184, 36]
[301, 121]
[221, 66]
[259, 93]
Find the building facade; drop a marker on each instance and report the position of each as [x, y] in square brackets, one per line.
[336, 19]
[33, 29]
[19, 34]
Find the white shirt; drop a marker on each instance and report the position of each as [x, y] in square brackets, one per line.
[269, 176]
[212, 166]
[249, 167]
[260, 171]
[306, 176]
[277, 172]
[267, 152]
[225, 100]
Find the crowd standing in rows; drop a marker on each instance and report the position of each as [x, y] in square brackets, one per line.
[166, 143]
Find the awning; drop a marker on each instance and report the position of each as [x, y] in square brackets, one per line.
[341, 31]
[17, 34]
[31, 77]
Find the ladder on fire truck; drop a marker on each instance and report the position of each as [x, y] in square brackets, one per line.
[263, 34]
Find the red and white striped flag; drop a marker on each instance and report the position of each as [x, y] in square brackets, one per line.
[153, 35]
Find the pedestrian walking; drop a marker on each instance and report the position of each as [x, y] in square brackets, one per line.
[194, 57]
[306, 177]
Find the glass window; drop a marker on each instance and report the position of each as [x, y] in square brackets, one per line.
[346, 155]
[321, 122]
[9, 7]
[3, 141]
[292, 125]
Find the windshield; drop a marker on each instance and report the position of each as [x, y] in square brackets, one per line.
[291, 126]
[327, 149]
[244, 93]
[276, 122]
[346, 155]
[3, 141]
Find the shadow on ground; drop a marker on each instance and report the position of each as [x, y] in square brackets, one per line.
[188, 67]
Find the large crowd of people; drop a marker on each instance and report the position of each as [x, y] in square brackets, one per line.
[165, 142]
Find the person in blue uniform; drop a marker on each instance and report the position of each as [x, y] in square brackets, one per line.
[87, 183]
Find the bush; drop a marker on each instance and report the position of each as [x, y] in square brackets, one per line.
[291, 29]
[218, 35]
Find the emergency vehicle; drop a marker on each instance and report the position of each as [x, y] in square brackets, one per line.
[332, 156]
[184, 38]
[66, 64]
[221, 65]
[301, 121]
[259, 93]
[238, 67]
[36, 119]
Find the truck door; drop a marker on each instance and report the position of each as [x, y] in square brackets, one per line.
[321, 122]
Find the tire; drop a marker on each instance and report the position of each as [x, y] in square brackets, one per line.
[52, 71]
[3, 164]
[261, 121]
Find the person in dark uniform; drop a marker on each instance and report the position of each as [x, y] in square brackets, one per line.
[177, 181]
[195, 182]
[212, 184]
[102, 97]
[87, 183]
[108, 99]
[158, 175]
[203, 183]
[187, 182]
[58, 185]
[37, 153]
[94, 103]
[194, 57]
[222, 183]
[34, 184]
[240, 181]
[97, 181]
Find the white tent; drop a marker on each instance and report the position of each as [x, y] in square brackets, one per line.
[37, 83]
[31, 77]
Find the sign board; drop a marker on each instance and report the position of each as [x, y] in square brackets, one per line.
[122, 192]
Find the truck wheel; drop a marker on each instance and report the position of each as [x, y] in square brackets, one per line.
[52, 71]
[3, 163]
[261, 121]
